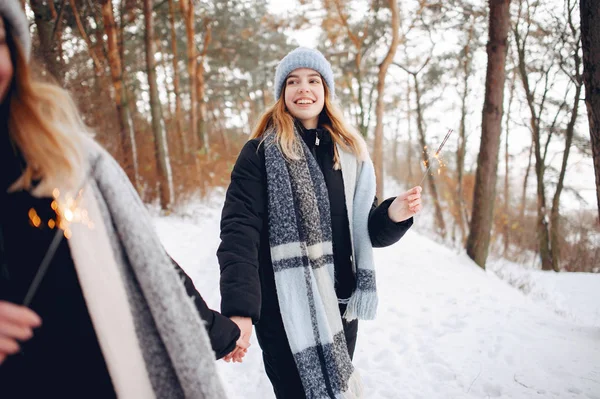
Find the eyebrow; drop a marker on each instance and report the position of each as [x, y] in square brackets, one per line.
[312, 75]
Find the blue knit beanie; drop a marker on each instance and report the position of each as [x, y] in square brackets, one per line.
[11, 12]
[303, 57]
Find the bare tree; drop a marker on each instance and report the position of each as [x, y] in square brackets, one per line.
[383, 67]
[487, 160]
[187, 11]
[574, 73]
[439, 217]
[590, 43]
[47, 24]
[176, 81]
[161, 151]
[127, 134]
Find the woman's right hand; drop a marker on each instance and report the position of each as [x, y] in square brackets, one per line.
[243, 343]
[16, 324]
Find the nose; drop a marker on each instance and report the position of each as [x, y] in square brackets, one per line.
[302, 88]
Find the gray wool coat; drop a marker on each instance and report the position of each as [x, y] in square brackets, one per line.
[173, 340]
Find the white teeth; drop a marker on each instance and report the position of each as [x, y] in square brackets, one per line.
[304, 102]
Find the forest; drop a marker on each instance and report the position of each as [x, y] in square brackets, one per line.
[172, 88]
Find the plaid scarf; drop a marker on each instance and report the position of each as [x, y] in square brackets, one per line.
[302, 256]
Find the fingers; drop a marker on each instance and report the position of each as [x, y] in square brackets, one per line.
[20, 315]
[16, 324]
[236, 355]
[15, 331]
[8, 346]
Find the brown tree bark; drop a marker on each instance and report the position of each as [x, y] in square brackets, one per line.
[590, 44]
[127, 134]
[487, 160]
[462, 133]
[161, 151]
[97, 64]
[176, 89]
[48, 49]
[380, 107]
[187, 12]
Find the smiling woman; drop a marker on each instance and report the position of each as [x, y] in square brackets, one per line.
[297, 231]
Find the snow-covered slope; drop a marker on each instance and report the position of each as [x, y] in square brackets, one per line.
[445, 328]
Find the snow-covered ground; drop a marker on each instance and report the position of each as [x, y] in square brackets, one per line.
[445, 328]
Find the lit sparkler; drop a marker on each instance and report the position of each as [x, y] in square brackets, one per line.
[436, 155]
[67, 212]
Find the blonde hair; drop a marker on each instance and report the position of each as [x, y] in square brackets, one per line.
[45, 125]
[331, 118]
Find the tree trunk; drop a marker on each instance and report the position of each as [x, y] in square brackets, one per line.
[187, 11]
[409, 146]
[569, 133]
[543, 234]
[201, 90]
[383, 67]
[97, 64]
[48, 49]
[127, 134]
[161, 151]
[525, 180]
[506, 219]
[178, 114]
[439, 216]
[590, 43]
[487, 160]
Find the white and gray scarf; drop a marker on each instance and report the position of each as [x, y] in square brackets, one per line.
[140, 309]
[302, 256]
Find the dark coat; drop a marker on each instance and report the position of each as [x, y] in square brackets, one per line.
[247, 278]
[63, 358]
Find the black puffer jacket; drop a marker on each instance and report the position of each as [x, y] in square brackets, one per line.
[247, 278]
[63, 359]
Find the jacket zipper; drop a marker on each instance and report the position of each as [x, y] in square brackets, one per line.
[317, 138]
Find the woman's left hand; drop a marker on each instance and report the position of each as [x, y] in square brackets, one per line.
[406, 205]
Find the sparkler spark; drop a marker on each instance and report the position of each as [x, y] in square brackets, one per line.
[436, 156]
[67, 211]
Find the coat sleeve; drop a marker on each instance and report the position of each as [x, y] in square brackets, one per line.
[242, 222]
[382, 230]
[223, 332]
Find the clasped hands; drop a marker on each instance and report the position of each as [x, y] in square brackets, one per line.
[243, 343]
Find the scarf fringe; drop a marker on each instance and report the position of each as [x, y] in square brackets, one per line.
[355, 387]
[362, 305]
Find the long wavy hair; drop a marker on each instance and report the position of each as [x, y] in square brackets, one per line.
[278, 119]
[45, 126]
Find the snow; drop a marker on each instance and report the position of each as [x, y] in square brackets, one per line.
[445, 327]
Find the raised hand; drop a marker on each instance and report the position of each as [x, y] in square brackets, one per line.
[243, 343]
[16, 324]
[406, 205]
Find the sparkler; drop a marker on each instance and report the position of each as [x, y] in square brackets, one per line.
[436, 155]
[67, 212]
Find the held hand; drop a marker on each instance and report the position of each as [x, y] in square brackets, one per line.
[243, 343]
[16, 324]
[406, 205]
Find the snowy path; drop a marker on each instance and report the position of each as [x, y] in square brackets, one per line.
[445, 328]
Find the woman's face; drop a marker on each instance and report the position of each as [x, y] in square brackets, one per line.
[6, 67]
[305, 96]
